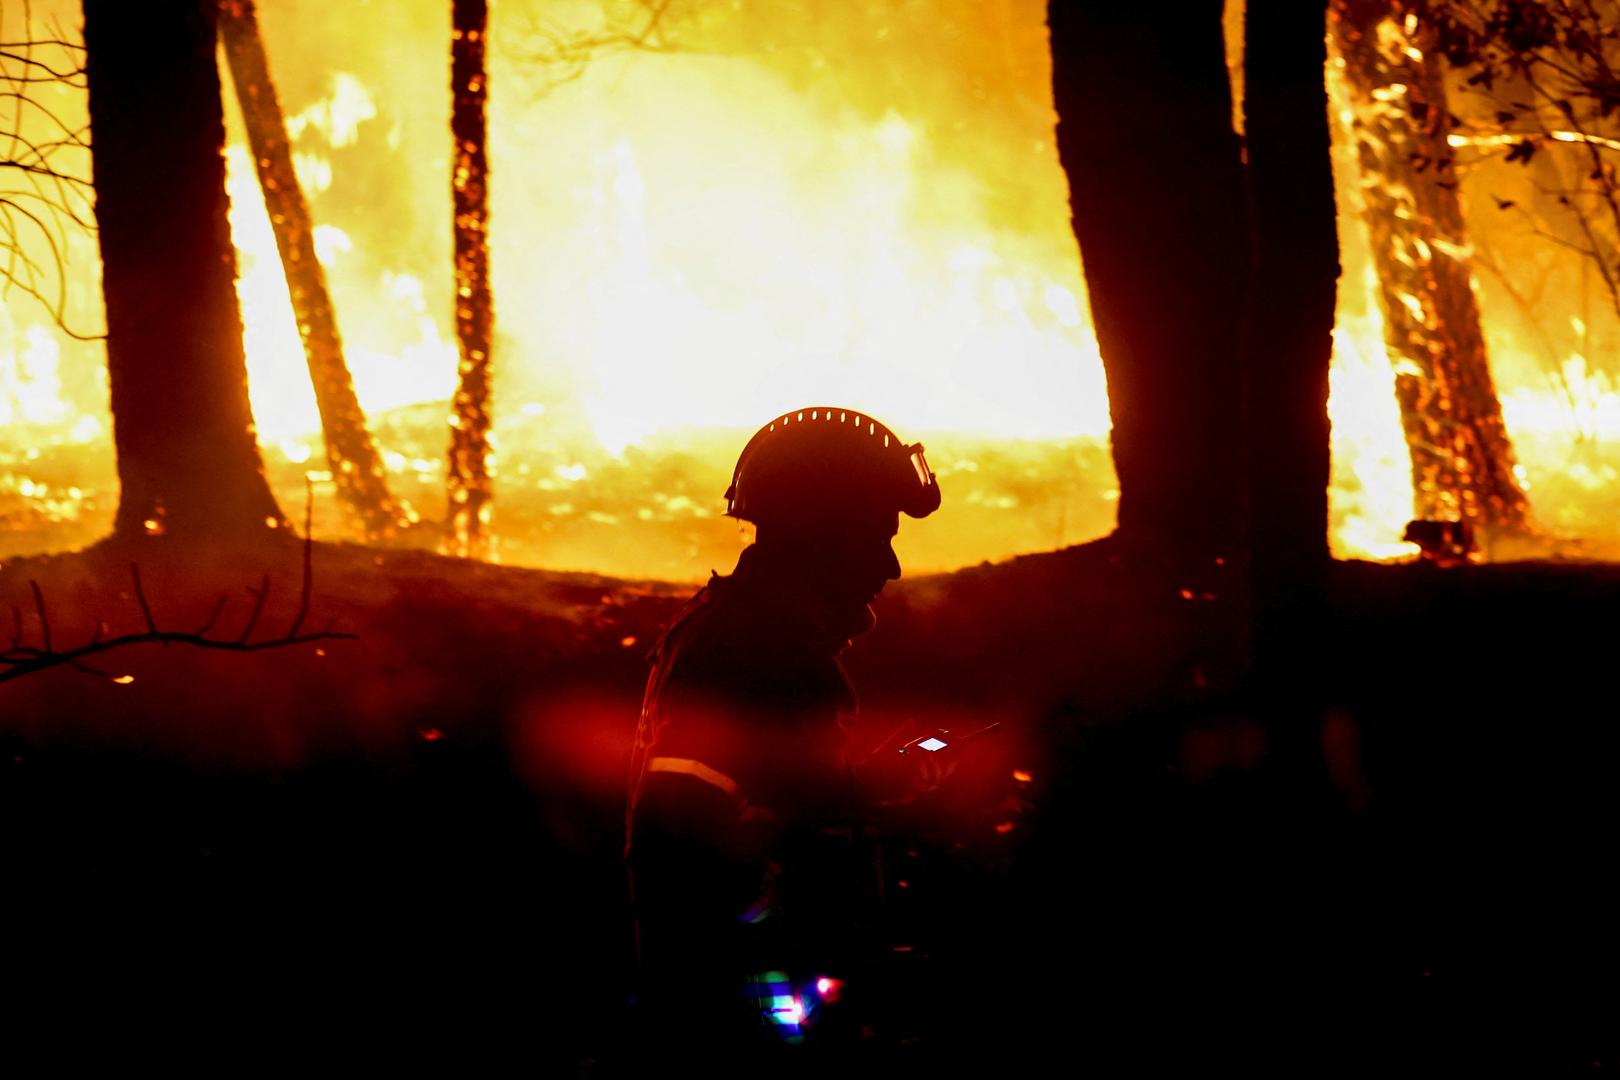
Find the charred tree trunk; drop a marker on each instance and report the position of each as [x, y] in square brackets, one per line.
[188, 459]
[1294, 285]
[469, 419]
[1462, 459]
[350, 452]
[1156, 189]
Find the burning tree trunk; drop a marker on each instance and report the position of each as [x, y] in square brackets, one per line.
[1157, 192]
[188, 459]
[1462, 459]
[469, 421]
[352, 456]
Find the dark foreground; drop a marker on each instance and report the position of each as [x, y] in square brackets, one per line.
[406, 850]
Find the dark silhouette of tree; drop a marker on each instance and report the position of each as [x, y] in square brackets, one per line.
[351, 454]
[1156, 187]
[1463, 464]
[188, 457]
[468, 473]
[1213, 268]
[1293, 294]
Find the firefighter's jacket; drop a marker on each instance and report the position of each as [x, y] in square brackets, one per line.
[747, 696]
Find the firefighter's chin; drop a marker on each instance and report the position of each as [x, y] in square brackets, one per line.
[861, 620]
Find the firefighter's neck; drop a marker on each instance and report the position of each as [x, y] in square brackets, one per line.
[805, 578]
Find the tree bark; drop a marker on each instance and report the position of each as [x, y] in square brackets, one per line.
[188, 458]
[1156, 189]
[1463, 466]
[350, 453]
[469, 470]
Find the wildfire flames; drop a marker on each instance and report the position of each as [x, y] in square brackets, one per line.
[688, 239]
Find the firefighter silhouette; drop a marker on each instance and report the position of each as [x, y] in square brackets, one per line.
[750, 892]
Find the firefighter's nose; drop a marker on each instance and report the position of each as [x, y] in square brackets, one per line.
[891, 569]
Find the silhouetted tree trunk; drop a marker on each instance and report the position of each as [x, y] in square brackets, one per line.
[356, 468]
[188, 458]
[469, 479]
[1462, 459]
[1293, 297]
[1156, 188]
[1294, 294]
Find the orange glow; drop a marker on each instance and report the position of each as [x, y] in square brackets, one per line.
[687, 242]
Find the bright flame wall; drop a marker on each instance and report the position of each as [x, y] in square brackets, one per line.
[786, 203]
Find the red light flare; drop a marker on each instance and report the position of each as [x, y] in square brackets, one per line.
[579, 740]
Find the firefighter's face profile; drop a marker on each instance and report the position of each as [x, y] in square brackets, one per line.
[867, 552]
[853, 557]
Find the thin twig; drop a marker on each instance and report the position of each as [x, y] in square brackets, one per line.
[140, 595]
[258, 606]
[44, 621]
[219, 606]
[309, 544]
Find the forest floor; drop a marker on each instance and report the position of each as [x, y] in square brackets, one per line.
[407, 842]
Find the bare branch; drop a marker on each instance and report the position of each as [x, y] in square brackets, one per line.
[20, 659]
[60, 195]
[213, 616]
[563, 55]
[40, 661]
[140, 596]
[309, 544]
[44, 620]
[258, 607]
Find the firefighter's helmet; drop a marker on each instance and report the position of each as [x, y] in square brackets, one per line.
[820, 461]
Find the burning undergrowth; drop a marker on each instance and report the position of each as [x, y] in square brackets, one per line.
[653, 510]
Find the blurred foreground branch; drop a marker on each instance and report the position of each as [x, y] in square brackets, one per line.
[20, 658]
